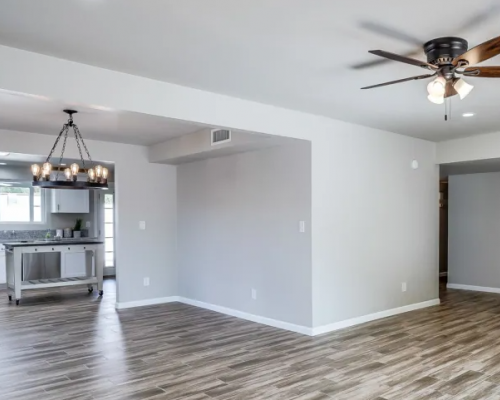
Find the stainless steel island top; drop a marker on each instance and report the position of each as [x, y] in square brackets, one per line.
[52, 242]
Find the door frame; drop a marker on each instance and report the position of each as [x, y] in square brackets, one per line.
[99, 231]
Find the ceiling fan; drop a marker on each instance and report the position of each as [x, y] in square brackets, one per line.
[448, 58]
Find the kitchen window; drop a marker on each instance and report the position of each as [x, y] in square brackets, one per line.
[20, 203]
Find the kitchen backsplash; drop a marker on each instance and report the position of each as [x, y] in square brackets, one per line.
[32, 234]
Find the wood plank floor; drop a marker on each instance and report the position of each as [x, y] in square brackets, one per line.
[65, 344]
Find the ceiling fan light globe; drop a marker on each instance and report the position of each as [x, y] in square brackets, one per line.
[463, 88]
[436, 99]
[437, 87]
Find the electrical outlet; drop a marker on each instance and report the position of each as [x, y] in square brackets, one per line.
[146, 281]
[87, 224]
[302, 226]
[142, 225]
[403, 286]
[254, 294]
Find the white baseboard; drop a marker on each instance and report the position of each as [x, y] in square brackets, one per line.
[147, 302]
[277, 323]
[473, 288]
[249, 317]
[372, 317]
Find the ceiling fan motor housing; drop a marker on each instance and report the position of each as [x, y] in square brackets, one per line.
[443, 50]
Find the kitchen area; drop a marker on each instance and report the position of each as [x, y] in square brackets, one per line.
[53, 237]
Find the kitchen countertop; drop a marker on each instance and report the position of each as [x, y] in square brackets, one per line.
[43, 242]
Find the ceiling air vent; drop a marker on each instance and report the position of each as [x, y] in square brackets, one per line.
[219, 136]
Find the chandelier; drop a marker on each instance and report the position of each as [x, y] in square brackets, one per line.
[48, 177]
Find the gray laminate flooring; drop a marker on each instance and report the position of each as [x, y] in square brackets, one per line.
[65, 344]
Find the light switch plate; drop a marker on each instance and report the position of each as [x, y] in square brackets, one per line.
[302, 226]
[87, 224]
[142, 225]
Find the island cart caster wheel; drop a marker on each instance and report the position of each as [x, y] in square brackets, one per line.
[101, 292]
[10, 297]
[17, 302]
[90, 289]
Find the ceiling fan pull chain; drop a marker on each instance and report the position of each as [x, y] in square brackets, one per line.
[447, 109]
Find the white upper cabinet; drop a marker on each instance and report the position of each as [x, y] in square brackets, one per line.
[70, 201]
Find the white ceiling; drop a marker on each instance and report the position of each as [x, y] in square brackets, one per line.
[26, 113]
[291, 53]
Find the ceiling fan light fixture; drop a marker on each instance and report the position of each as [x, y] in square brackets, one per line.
[463, 88]
[437, 87]
[436, 99]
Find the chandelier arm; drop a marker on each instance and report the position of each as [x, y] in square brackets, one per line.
[63, 149]
[77, 138]
[84, 145]
[65, 126]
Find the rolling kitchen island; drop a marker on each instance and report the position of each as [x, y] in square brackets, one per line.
[90, 253]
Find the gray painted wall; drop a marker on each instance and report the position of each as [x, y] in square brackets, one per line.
[474, 230]
[375, 223]
[238, 229]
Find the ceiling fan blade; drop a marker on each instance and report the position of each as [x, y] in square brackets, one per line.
[413, 78]
[391, 32]
[381, 61]
[450, 89]
[480, 53]
[403, 59]
[482, 72]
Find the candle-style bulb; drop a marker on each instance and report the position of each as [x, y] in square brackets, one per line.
[35, 169]
[75, 168]
[91, 175]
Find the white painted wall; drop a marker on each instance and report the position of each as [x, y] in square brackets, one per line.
[139, 253]
[398, 239]
[474, 230]
[238, 227]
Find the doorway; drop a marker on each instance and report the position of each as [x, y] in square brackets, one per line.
[443, 231]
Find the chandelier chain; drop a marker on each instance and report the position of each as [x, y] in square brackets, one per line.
[63, 149]
[75, 130]
[83, 142]
[65, 126]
